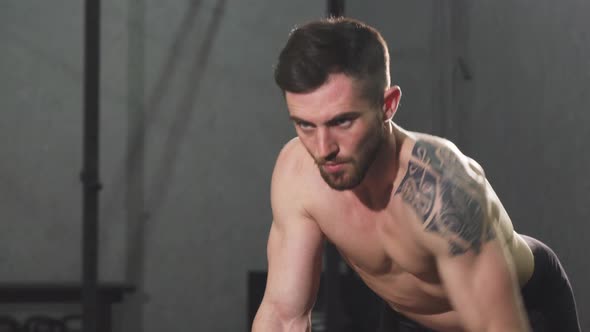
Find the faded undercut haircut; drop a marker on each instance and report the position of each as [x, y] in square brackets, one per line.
[334, 45]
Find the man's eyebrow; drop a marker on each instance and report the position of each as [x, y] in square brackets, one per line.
[296, 119]
[332, 120]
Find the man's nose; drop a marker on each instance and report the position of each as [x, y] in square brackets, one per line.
[326, 145]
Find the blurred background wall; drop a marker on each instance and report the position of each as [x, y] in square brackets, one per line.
[192, 122]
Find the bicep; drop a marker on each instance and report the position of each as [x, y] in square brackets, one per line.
[295, 241]
[482, 286]
[294, 264]
[474, 264]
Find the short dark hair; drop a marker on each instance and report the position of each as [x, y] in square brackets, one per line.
[334, 45]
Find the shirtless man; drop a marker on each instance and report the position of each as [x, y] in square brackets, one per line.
[413, 216]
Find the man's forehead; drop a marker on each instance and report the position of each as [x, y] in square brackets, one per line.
[338, 95]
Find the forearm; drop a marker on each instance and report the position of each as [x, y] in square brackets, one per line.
[521, 326]
[270, 320]
[508, 329]
[501, 317]
[490, 320]
[506, 312]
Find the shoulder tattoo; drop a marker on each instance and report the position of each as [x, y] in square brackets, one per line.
[448, 200]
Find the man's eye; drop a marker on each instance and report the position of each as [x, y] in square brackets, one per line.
[343, 122]
[304, 125]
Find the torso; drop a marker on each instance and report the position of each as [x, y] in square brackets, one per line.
[380, 245]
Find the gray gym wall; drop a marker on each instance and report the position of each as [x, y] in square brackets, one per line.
[185, 209]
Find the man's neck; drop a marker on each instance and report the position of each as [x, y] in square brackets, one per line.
[376, 188]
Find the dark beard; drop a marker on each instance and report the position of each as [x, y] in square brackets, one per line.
[349, 180]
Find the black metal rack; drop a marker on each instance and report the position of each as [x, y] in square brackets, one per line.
[90, 175]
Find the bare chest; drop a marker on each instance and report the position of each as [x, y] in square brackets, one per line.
[382, 249]
[376, 243]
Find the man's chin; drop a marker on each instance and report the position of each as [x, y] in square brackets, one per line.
[340, 187]
[340, 184]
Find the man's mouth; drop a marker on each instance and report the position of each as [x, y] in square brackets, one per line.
[333, 167]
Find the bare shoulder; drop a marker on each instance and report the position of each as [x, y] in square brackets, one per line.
[447, 191]
[444, 156]
[292, 164]
[289, 185]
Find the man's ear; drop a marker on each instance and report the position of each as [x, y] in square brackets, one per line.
[391, 100]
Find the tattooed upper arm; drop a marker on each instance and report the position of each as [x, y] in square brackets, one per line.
[448, 196]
